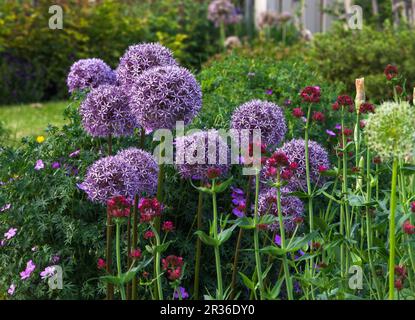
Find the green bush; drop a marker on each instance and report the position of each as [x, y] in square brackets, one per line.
[35, 60]
[344, 55]
[233, 79]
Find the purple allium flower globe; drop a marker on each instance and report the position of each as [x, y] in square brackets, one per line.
[263, 115]
[295, 151]
[109, 177]
[187, 153]
[145, 169]
[89, 73]
[105, 111]
[141, 57]
[292, 208]
[163, 95]
[223, 11]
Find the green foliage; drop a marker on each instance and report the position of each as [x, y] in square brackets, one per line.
[345, 55]
[234, 79]
[34, 60]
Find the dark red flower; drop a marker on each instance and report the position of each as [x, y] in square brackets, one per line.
[294, 166]
[355, 169]
[345, 101]
[168, 226]
[173, 267]
[413, 206]
[271, 171]
[362, 124]
[322, 169]
[366, 108]
[377, 160]
[298, 113]
[335, 106]
[213, 173]
[408, 228]
[149, 234]
[391, 72]
[311, 94]
[135, 254]
[401, 271]
[286, 174]
[299, 220]
[347, 132]
[399, 90]
[280, 158]
[149, 208]
[118, 207]
[399, 284]
[319, 116]
[101, 264]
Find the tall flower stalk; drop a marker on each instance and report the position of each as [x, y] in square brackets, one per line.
[216, 247]
[198, 247]
[256, 239]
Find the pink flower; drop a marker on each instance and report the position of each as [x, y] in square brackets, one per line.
[75, 154]
[10, 234]
[11, 290]
[322, 169]
[48, 272]
[101, 264]
[5, 207]
[30, 267]
[168, 226]
[39, 165]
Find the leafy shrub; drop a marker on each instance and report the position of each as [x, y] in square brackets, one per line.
[344, 55]
[34, 60]
[233, 79]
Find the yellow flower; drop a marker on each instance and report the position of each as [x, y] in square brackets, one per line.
[40, 139]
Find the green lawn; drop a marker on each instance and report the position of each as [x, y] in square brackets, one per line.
[31, 119]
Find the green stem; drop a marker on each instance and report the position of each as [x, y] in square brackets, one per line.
[135, 236]
[344, 186]
[157, 265]
[118, 253]
[217, 252]
[108, 254]
[256, 238]
[392, 231]
[222, 35]
[288, 282]
[198, 247]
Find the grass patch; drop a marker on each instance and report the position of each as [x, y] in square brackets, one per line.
[30, 119]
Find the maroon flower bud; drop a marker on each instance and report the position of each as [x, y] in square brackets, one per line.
[298, 113]
[319, 117]
[101, 264]
[286, 174]
[118, 207]
[399, 284]
[213, 173]
[168, 226]
[391, 72]
[366, 108]
[335, 106]
[345, 101]
[408, 228]
[149, 235]
[135, 254]
[311, 94]
[322, 169]
[401, 271]
[413, 206]
[377, 160]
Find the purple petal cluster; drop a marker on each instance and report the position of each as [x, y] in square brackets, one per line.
[89, 73]
[106, 111]
[141, 57]
[109, 177]
[263, 115]
[292, 208]
[145, 169]
[191, 163]
[223, 11]
[163, 95]
[295, 151]
[238, 202]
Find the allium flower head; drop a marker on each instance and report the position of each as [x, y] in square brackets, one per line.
[263, 115]
[141, 57]
[391, 130]
[89, 73]
[195, 159]
[145, 169]
[109, 177]
[164, 95]
[106, 111]
[268, 19]
[295, 151]
[292, 208]
[223, 11]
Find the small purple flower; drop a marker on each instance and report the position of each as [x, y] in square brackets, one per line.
[288, 102]
[39, 165]
[5, 207]
[182, 294]
[11, 289]
[55, 259]
[338, 126]
[330, 133]
[10, 234]
[56, 165]
[238, 200]
[30, 267]
[75, 154]
[48, 272]
[269, 92]
[81, 186]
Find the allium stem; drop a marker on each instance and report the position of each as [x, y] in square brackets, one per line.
[238, 242]
[217, 252]
[344, 187]
[392, 231]
[118, 253]
[222, 35]
[256, 239]
[110, 286]
[135, 236]
[198, 247]
[157, 259]
[288, 282]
